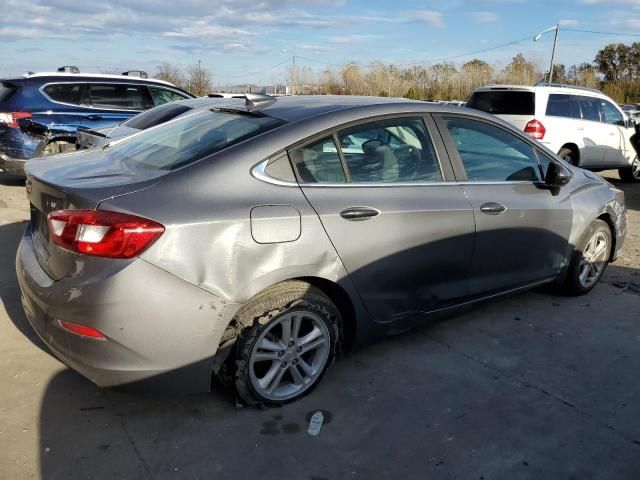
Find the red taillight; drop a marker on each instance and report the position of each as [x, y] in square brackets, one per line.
[535, 129]
[11, 119]
[82, 330]
[103, 233]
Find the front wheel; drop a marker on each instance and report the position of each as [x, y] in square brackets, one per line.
[631, 174]
[568, 156]
[590, 259]
[287, 340]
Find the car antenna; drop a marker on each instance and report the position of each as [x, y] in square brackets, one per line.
[256, 101]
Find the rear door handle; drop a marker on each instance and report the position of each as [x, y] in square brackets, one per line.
[492, 208]
[94, 117]
[359, 213]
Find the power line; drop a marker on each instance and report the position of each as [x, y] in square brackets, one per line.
[260, 71]
[619, 34]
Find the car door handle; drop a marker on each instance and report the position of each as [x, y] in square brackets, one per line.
[492, 208]
[94, 117]
[359, 213]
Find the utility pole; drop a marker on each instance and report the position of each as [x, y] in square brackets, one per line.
[553, 52]
[293, 74]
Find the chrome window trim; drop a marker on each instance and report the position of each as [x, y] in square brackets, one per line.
[84, 82]
[258, 172]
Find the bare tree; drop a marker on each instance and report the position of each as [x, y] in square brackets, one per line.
[199, 80]
[172, 74]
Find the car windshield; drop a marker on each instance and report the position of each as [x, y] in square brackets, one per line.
[503, 102]
[189, 138]
[156, 116]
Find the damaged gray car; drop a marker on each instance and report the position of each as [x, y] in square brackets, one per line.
[255, 242]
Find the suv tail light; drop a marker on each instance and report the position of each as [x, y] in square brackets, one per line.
[11, 119]
[103, 233]
[535, 129]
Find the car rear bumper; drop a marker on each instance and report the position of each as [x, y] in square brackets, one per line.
[160, 331]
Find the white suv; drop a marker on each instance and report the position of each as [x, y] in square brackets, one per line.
[584, 126]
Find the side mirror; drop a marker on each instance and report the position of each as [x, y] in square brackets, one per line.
[557, 175]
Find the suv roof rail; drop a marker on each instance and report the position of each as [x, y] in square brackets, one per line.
[69, 69]
[136, 73]
[566, 85]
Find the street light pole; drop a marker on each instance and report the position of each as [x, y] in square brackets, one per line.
[293, 69]
[555, 44]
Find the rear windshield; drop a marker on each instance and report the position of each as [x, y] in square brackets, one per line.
[187, 139]
[156, 116]
[6, 90]
[503, 102]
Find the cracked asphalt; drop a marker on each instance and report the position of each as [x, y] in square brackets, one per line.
[533, 387]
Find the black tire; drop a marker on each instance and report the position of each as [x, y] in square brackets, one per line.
[627, 174]
[568, 156]
[572, 284]
[261, 312]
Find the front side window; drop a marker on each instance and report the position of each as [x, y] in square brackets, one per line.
[388, 151]
[64, 92]
[589, 108]
[163, 95]
[611, 114]
[491, 154]
[116, 96]
[187, 139]
[319, 162]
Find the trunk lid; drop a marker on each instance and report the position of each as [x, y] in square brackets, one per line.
[79, 180]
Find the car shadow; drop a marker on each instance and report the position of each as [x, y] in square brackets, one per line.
[10, 235]
[499, 392]
[6, 179]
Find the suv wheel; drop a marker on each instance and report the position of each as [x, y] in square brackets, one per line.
[589, 259]
[287, 340]
[568, 156]
[631, 174]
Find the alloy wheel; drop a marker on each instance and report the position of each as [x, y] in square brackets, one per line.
[289, 355]
[635, 168]
[594, 259]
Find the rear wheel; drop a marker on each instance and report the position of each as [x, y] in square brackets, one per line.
[631, 174]
[286, 341]
[568, 156]
[590, 259]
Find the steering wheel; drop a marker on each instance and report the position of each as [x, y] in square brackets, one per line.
[408, 157]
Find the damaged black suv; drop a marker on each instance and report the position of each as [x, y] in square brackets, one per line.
[41, 113]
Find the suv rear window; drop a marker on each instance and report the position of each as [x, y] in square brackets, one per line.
[188, 139]
[64, 92]
[503, 102]
[156, 116]
[6, 90]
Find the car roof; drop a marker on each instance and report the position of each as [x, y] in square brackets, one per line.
[554, 87]
[298, 107]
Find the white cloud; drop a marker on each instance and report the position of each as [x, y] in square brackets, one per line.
[484, 17]
[430, 17]
[568, 22]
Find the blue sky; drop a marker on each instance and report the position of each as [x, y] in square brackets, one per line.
[241, 41]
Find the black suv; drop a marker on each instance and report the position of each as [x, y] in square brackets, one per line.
[41, 113]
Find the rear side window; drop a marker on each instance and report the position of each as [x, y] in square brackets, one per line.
[319, 162]
[396, 150]
[503, 102]
[491, 154]
[64, 92]
[163, 95]
[156, 116]
[589, 108]
[188, 139]
[116, 96]
[560, 105]
[6, 91]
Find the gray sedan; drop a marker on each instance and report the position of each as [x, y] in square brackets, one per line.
[255, 242]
